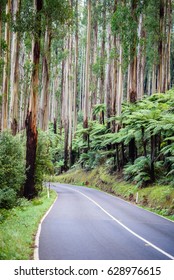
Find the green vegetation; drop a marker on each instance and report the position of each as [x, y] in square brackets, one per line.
[142, 148]
[19, 218]
[138, 158]
[90, 93]
[13, 164]
[18, 227]
[12, 169]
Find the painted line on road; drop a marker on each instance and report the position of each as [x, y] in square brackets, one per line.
[36, 243]
[121, 199]
[125, 227]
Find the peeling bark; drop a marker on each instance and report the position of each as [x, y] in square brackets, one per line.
[31, 119]
[44, 102]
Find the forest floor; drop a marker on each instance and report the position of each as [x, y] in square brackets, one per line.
[157, 198]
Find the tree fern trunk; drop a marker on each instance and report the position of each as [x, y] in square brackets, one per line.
[118, 158]
[132, 150]
[152, 158]
[123, 155]
[144, 142]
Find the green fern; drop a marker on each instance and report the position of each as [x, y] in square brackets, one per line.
[139, 172]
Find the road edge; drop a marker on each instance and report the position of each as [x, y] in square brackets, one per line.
[36, 243]
[120, 198]
[126, 227]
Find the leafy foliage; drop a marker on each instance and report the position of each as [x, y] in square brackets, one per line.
[139, 172]
[8, 198]
[12, 168]
[44, 163]
[143, 147]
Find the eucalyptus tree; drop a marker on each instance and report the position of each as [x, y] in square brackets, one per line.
[55, 14]
[46, 12]
[31, 118]
[2, 20]
[103, 51]
[158, 38]
[132, 86]
[88, 45]
[1, 30]
[76, 66]
[5, 86]
[95, 27]
[2, 46]
[14, 74]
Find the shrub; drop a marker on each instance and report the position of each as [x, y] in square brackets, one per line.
[44, 164]
[8, 198]
[138, 172]
[12, 168]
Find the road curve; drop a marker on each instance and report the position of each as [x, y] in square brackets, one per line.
[87, 224]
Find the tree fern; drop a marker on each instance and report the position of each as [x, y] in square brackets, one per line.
[139, 172]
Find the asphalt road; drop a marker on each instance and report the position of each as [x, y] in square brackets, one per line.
[87, 224]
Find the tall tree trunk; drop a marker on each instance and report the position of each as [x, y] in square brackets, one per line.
[0, 31]
[114, 88]
[95, 78]
[44, 101]
[14, 90]
[108, 81]
[5, 87]
[54, 102]
[120, 80]
[160, 48]
[154, 79]
[70, 90]
[1, 61]
[76, 72]
[66, 101]
[133, 81]
[140, 60]
[25, 87]
[168, 61]
[102, 77]
[61, 94]
[115, 76]
[31, 119]
[86, 99]
[149, 81]
[66, 129]
[133, 59]
[81, 79]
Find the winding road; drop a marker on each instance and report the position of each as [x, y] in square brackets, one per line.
[87, 224]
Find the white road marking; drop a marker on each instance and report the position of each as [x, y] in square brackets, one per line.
[36, 249]
[126, 228]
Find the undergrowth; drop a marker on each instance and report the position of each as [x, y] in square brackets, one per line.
[18, 227]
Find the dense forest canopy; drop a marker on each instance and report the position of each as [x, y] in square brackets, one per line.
[85, 83]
